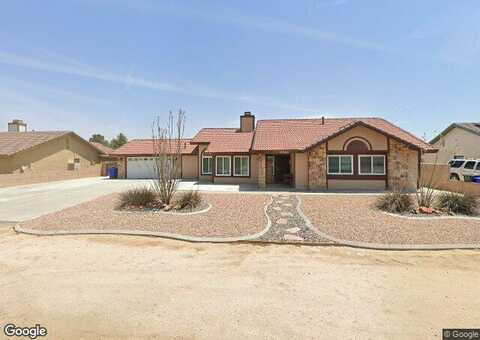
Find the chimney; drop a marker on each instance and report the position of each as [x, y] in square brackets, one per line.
[323, 120]
[247, 122]
[17, 125]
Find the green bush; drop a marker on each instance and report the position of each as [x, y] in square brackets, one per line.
[457, 203]
[395, 202]
[189, 199]
[137, 197]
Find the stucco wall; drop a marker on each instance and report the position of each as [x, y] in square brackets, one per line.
[377, 140]
[335, 184]
[51, 161]
[456, 142]
[402, 167]
[301, 170]
[317, 167]
[55, 155]
[252, 179]
[189, 167]
[203, 178]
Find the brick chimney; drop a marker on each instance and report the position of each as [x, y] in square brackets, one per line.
[247, 122]
[17, 125]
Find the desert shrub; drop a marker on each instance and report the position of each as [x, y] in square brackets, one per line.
[189, 199]
[425, 197]
[137, 197]
[457, 203]
[395, 202]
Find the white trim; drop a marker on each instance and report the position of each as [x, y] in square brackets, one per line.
[211, 165]
[364, 141]
[339, 165]
[371, 164]
[229, 168]
[248, 166]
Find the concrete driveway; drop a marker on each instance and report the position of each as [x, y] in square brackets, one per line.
[29, 201]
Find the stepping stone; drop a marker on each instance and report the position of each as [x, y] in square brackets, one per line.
[293, 230]
[289, 237]
[282, 221]
[286, 214]
[277, 208]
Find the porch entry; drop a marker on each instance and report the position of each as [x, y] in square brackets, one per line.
[278, 169]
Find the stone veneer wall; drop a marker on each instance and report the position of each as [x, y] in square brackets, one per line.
[261, 171]
[402, 167]
[317, 167]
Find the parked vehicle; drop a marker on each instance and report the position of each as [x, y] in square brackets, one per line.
[464, 169]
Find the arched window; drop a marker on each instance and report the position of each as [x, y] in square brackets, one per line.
[357, 145]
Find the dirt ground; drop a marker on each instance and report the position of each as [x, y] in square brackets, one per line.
[123, 287]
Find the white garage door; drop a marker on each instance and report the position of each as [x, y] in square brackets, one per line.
[140, 167]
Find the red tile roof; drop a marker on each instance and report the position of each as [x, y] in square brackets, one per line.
[145, 147]
[300, 134]
[224, 140]
[13, 142]
[105, 150]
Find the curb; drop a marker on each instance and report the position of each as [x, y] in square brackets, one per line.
[173, 236]
[461, 217]
[209, 206]
[382, 246]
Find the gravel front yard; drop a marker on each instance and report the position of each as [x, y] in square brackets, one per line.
[354, 218]
[230, 215]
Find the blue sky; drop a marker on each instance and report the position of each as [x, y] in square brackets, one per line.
[105, 66]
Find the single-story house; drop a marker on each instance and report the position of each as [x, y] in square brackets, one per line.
[317, 154]
[107, 160]
[52, 154]
[136, 159]
[457, 141]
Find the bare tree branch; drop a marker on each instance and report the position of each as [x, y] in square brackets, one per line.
[167, 149]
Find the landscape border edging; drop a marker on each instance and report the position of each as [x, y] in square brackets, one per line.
[382, 246]
[174, 236]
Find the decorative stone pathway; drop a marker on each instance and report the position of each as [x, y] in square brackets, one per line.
[287, 224]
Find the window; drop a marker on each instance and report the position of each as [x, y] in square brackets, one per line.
[469, 165]
[222, 165]
[340, 165]
[206, 165]
[371, 165]
[457, 164]
[478, 166]
[241, 166]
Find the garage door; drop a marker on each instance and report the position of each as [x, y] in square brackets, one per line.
[140, 167]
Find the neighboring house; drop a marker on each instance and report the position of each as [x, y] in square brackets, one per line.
[51, 155]
[318, 154]
[458, 141]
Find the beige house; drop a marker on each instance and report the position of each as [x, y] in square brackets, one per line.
[316, 154]
[45, 155]
[459, 140]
